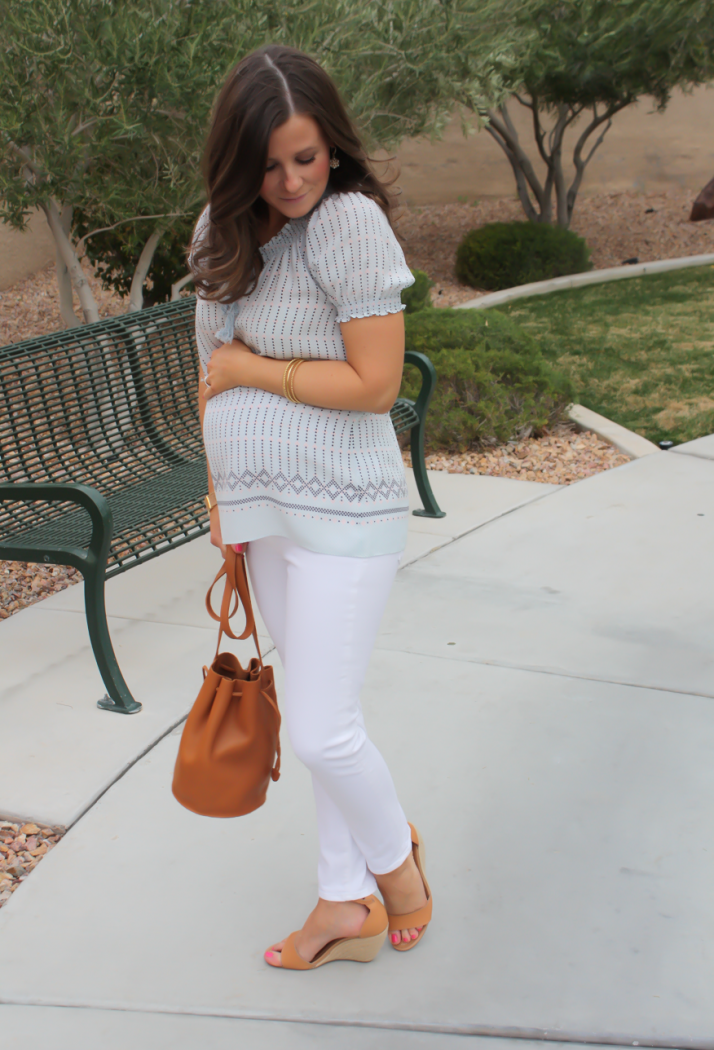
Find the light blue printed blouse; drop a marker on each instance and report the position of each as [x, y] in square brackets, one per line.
[330, 480]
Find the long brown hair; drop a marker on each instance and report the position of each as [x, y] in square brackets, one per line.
[260, 94]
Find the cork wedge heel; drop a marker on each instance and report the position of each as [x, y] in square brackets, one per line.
[363, 948]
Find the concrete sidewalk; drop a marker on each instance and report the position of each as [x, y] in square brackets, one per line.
[542, 690]
[58, 751]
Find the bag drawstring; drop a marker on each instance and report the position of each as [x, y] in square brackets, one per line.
[275, 772]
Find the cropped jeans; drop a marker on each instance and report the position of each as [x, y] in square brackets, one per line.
[323, 613]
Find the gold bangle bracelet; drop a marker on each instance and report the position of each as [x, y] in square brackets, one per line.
[289, 379]
[286, 378]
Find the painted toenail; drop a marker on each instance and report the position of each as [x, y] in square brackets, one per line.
[395, 938]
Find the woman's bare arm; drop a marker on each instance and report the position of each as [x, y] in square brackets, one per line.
[216, 538]
[368, 381]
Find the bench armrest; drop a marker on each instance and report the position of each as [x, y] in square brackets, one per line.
[428, 380]
[93, 502]
[428, 386]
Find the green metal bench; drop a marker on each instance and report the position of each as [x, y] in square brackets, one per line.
[101, 458]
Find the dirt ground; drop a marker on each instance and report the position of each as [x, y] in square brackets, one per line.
[643, 152]
[616, 226]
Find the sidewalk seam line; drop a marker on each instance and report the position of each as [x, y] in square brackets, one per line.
[131, 764]
[484, 1031]
[555, 674]
[694, 455]
[482, 524]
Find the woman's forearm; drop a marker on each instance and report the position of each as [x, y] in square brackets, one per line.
[368, 381]
[201, 415]
[326, 384]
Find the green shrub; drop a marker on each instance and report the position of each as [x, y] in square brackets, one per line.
[494, 383]
[506, 254]
[417, 297]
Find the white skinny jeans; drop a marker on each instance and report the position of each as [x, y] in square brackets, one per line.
[323, 613]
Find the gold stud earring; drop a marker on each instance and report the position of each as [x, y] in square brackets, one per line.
[334, 159]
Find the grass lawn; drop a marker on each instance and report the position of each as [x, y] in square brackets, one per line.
[640, 351]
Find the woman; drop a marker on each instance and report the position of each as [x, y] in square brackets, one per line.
[301, 342]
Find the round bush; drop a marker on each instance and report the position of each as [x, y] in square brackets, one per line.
[506, 254]
[494, 383]
[417, 296]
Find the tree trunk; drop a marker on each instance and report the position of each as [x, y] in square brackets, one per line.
[64, 281]
[70, 260]
[136, 292]
[178, 285]
[535, 197]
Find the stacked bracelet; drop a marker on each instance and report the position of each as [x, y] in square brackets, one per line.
[289, 379]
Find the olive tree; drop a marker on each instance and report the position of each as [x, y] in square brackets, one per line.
[105, 104]
[103, 112]
[581, 63]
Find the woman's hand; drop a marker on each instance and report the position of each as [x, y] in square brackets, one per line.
[227, 368]
[216, 537]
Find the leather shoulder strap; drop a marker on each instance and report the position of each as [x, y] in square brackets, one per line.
[236, 592]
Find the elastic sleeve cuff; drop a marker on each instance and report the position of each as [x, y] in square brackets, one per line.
[347, 312]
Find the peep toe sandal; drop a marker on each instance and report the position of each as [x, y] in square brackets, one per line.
[362, 948]
[422, 916]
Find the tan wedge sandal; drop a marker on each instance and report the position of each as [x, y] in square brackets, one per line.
[357, 949]
[422, 916]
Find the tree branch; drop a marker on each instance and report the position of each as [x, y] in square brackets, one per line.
[64, 280]
[556, 157]
[133, 218]
[69, 258]
[29, 162]
[539, 132]
[521, 184]
[136, 292]
[178, 285]
[517, 156]
[581, 163]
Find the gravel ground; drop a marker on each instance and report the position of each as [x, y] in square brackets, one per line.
[560, 457]
[22, 847]
[22, 583]
[616, 226]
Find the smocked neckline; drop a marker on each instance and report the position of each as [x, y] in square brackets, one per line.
[282, 237]
[285, 235]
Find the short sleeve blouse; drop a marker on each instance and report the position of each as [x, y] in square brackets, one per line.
[331, 480]
[355, 258]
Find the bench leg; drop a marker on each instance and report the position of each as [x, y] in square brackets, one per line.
[416, 444]
[118, 697]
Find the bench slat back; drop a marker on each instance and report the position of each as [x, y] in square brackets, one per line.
[111, 405]
[103, 404]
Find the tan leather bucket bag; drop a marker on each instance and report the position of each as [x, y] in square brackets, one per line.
[230, 745]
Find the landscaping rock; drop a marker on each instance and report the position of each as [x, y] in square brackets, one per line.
[703, 207]
[21, 849]
[560, 457]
